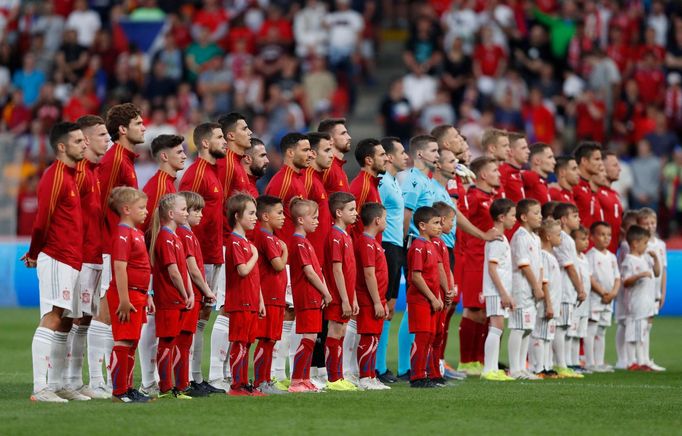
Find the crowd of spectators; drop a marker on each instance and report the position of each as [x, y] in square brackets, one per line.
[560, 71]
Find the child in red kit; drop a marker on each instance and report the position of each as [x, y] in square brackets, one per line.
[371, 285]
[273, 255]
[243, 298]
[127, 296]
[309, 290]
[172, 291]
[423, 301]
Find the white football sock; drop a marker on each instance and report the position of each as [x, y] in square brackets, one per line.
[75, 349]
[220, 346]
[350, 349]
[109, 349]
[620, 344]
[589, 344]
[559, 345]
[525, 346]
[281, 352]
[492, 349]
[646, 343]
[600, 346]
[631, 353]
[198, 352]
[40, 353]
[97, 349]
[294, 342]
[55, 375]
[146, 349]
[575, 351]
[514, 350]
[537, 355]
[547, 345]
[640, 353]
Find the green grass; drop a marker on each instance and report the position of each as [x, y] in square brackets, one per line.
[620, 403]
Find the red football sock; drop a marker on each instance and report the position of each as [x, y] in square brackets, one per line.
[481, 335]
[366, 353]
[131, 364]
[467, 337]
[164, 362]
[245, 363]
[333, 350]
[446, 330]
[181, 360]
[434, 356]
[419, 354]
[373, 365]
[119, 369]
[262, 361]
[238, 359]
[303, 359]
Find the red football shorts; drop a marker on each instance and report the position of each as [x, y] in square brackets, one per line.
[190, 318]
[367, 323]
[243, 326]
[130, 330]
[308, 321]
[333, 312]
[270, 327]
[421, 319]
[459, 275]
[472, 290]
[440, 318]
[168, 323]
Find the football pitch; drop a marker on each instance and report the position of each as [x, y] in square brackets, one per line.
[618, 403]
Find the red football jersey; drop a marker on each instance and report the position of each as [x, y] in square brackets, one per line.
[589, 207]
[168, 250]
[561, 194]
[365, 188]
[286, 184]
[273, 283]
[511, 179]
[335, 178]
[302, 253]
[129, 246]
[444, 255]
[117, 168]
[192, 249]
[314, 188]
[202, 177]
[612, 208]
[252, 188]
[243, 293]
[422, 257]
[58, 228]
[478, 211]
[88, 187]
[234, 179]
[536, 187]
[368, 254]
[159, 185]
[339, 249]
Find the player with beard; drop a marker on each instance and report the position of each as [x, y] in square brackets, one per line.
[588, 156]
[335, 178]
[566, 170]
[609, 199]
[510, 169]
[542, 164]
[255, 163]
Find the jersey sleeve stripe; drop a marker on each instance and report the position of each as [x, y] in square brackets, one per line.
[58, 177]
[113, 176]
[285, 185]
[198, 175]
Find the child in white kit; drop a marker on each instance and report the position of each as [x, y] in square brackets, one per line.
[647, 219]
[526, 285]
[497, 285]
[629, 219]
[605, 286]
[578, 329]
[639, 270]
[572, 287]
[547, 308]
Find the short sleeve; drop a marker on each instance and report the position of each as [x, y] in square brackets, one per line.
[496, 251]
[304, 254]
[522, 247]
[122, 246]
[626, 268]
[336, 248]
[563, 253]
[410, 192]
[367, 254]
[239, 255]
[165, 252]
[272, 248]
[614, 265]
[546, 267]
[418, 252]
[189, 245]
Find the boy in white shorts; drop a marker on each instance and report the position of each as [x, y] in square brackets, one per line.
[647, 219]
[639, 271]
[571, 285]
[604, 288]
[578, 329]
[526, 285]
[621, 304]
[549, 306]
[497, 285]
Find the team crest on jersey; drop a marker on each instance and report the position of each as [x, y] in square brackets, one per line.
[73, 194]
[324, 196]
[481, 298]
[215, 189]
[85, 297]
[66, 294]
[452, 184]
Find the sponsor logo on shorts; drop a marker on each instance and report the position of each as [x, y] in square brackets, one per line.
[85, 297]
[66, 294]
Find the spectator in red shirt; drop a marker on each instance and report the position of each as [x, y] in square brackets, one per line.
[629, 109]
[539, 119]
[212, 17]
[590, 117]
[276, 27]
[650, 79]
[490, 61]
[27, 206]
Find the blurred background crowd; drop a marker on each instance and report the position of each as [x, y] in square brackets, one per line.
[560, 71]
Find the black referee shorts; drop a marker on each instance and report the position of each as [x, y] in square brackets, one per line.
[396, 260]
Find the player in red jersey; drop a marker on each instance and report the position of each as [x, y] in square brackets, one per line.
[566, 170]
[335, 178]
[371, 157]
[310, 292]
[423, 283]
[244, 301]
[202, 177]
[117, 168]
[339, 269]
[588, 156]
[323, 156]
[371, 284]
[255, 163]
[273, 255]
[170, 155]
[202, 292]
[510, 170]
[56, 250]
[609, 199]
[96, 138]
[172, 294]
[495, 144]
[542, 164]
[473, 328]
[128, 300]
